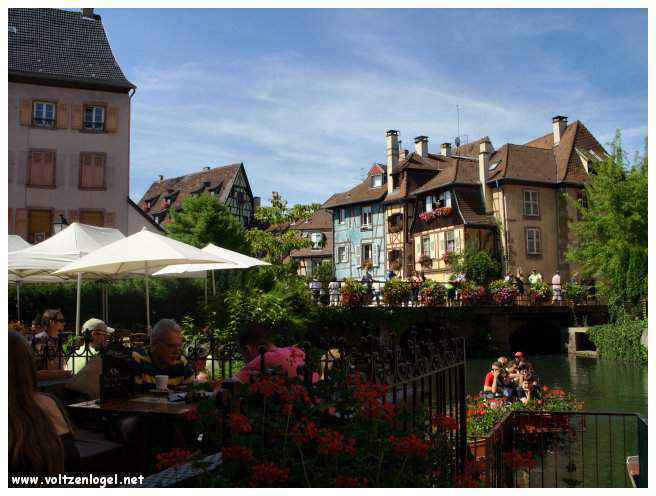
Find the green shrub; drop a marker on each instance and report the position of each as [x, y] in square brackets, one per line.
[620, 340]
[324, 273]
[354, 293]
[432, 293]
[478, 266]
[574, 292]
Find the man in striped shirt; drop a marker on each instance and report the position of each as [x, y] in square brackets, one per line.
[162, 357]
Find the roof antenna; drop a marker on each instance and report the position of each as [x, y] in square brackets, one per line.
[457, 140]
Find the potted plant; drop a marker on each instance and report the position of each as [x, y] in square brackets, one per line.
[540, 292]
[575, 293]
[432, 293]
[503, 292]
[396, 292]
[353, 293]
[471, 293]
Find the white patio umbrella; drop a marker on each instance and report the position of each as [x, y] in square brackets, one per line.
[36, 264]
[142, 253]
[17, 243]
[235, 260]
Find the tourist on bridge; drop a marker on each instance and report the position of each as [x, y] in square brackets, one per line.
[535, 277]
[556, 287]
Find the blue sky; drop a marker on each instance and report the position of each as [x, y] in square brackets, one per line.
[304, 97]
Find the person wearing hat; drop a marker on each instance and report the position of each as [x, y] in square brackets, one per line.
[96, 333]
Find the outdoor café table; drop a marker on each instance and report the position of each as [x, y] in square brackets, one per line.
[161, 423]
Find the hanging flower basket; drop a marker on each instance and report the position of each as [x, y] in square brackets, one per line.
[433, 214]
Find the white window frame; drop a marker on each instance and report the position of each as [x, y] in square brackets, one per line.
[342, 216]
[377, 181]
[97, 122]
[366, 217]
[428, 203]
[450, 239]
[341, 254]
[425, 246]
[445, 197]
[40, 114]
[531, 203]
[364, 247]
[533, 241]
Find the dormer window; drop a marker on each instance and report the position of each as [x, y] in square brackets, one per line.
[376, 180]
[317, 240]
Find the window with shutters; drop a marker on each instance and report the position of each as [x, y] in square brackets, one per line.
[92, 170]
[444, 200]
[92, 218]
[531, 203]
[429, 204]
[41, 169]
[39, 225]
[94, 118]
[533, 241]
[43, 114]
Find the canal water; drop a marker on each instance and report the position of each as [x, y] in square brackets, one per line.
[603, 385]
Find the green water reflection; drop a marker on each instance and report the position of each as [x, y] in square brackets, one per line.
[603, 385]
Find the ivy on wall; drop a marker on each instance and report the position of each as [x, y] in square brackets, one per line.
[620, 340]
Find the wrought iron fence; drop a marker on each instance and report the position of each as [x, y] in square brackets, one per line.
[566, 449]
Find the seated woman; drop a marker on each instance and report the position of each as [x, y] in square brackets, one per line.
[51, 362]
[526, 392]
[288, 359]
[40, 434]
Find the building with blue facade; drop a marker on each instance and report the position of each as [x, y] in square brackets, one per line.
[359, 227]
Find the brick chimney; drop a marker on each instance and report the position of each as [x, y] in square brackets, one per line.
[485, 151]
[421, 146]
[160, 177]
[206, 168]
[445, 149]
[559, 126]
[392, 146]
[88, 13]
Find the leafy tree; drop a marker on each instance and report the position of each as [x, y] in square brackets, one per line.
[611, 236]
[325, 272]
[203, 219]
[275, 247]
[278, 212]
[478, 266]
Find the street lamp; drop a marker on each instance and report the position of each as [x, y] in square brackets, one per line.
[60, 224]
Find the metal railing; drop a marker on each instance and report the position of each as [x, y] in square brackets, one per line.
[565, 449]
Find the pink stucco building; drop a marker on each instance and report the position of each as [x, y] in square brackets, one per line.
[69, 125]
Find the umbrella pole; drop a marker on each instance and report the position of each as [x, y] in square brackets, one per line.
[147, 301]
[205, 288]
[213, 284]
[18, 315]
[77, 304]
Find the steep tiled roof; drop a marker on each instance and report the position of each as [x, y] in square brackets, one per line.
[470, 149]
[58, 45]
[523, 163]
[322, 219]
[170, 193]
[362, 193]
[456, 171]
[576, 135]
[140, 211]
[470, 205]
[417, 162]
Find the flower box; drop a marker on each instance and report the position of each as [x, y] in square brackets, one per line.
[434, 214]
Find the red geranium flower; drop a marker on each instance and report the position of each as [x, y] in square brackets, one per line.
[237, 453]
[239, 423]
[302, 435]
[334, 443]
[445, 422]
[172, 458]
[409, 446]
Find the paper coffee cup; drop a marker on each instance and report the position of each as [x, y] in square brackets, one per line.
[162, 382]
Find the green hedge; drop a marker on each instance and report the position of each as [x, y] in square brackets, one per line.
[620, 340]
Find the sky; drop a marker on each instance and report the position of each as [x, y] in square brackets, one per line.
[303, 97]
